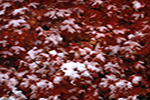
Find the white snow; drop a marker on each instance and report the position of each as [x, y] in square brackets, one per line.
[63, 12]
[130, 36]
[138, 33]
[17, 49]
[100, 35]
[33, 52]
[139, 65]
[41, 83]
[32, 77]
[82, 52]
[137, 16]
[133, 97]
[53, 52]
[19, 11]
[86, 74]
[58, 13]
[93, 68]
[4, 98]
[50, 84]
[71, 69]
[3, 42]
[6, 53]
[44, 83]
[61, 54]
[111, 77]
[112, 7]
[120, 40]
[122, 99]
[2, 12]
[102, 28]
[42, 99]
[15, 23]
[72, 90]
[137, 5]
[132, 44]
[105, 81]
[33, 66]
[50, 14]
[12, 82]
[136, 79]
[33, 4]
[69, 25]
[114, 49]
[110, 26]
[113, 68]
[120, 85]
[123, 83]
[145, 27]
[21, 74]
[101, 57]
[3, 77]
[57, 79]
[44, 55]
[18, 93]
[97, 2]
[87, 49]
[125, 7]
[120, 31]
[69, 21]
[5, 5]
[55, 38]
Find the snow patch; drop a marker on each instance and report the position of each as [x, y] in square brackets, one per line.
[5, 5]
[114, 49]
[5, 54]
[58, 13]
[72, 69]
[102, 28]
[101, 57]
[113, 68]
[136, 79]
[21, 74]
[33, 4]
[19, 11]
[15, 23]
[123, 83]
[132, 44]
[131, 36]
[12, 82]
[55, 38]
[17, 49]
[53, 52]
[4, 43]
[57, 79]
[137, 5]
[120, 31]
[19, 93]
[2, 12]
[33, 52]
[69, 25]
[43, 99]
[93, 68]
[120, 40]
[44, 83]
[97, 2]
